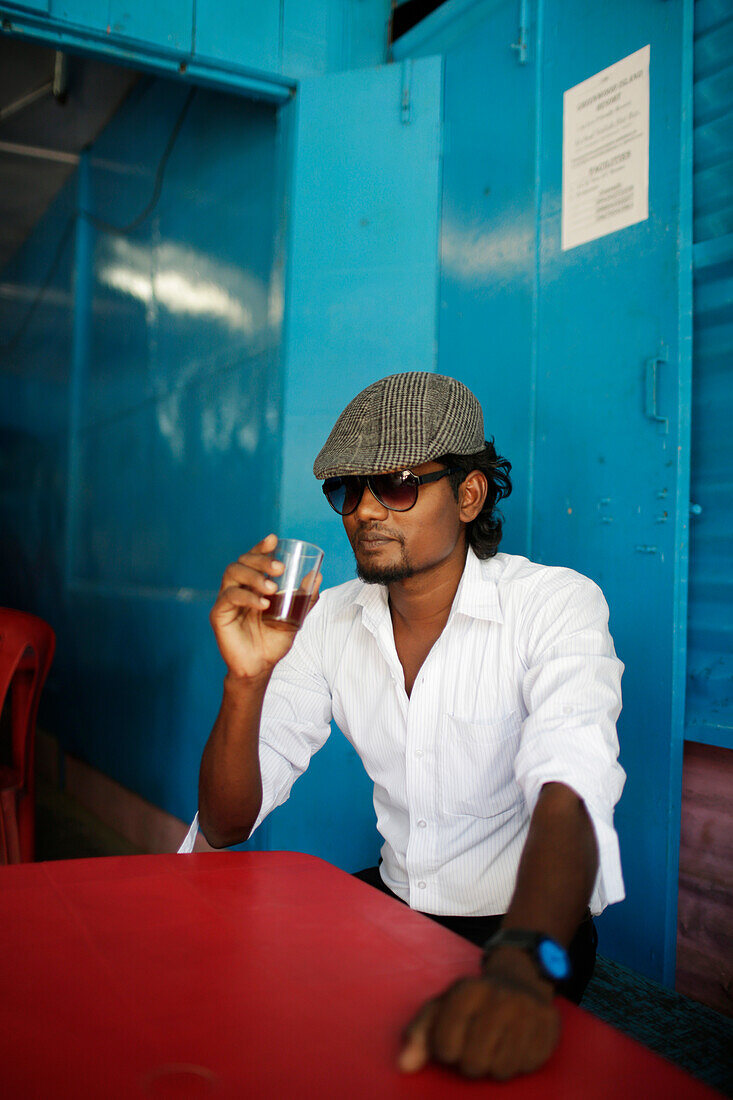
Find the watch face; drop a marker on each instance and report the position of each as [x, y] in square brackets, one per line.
[555, 960]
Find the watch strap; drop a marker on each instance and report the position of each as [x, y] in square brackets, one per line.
[550, 958]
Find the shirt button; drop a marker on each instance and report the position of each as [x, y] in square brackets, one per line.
[419, 752]
[422, 824]
[421, 885]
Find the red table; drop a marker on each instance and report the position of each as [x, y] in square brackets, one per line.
[248, 975]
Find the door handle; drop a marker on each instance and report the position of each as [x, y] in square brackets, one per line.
[650, 406]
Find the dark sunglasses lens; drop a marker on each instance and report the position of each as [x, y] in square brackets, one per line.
[342, 493]
[397, 491]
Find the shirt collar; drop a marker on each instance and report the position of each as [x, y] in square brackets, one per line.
[477, 595]
[478, 592]
[374, 601]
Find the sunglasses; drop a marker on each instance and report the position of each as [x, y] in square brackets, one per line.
[396, 491]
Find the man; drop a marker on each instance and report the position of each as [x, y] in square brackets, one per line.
[481, 693]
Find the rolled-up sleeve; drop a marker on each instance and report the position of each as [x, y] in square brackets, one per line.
[296, 715]
[572, 692]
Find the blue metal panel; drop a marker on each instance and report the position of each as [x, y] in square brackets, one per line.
[488, 243]
[247, 33]
[366, 33]
[167, 23]
[36, 308]
[80, 345]
[709, 715]
[35, 340]
[244, 45]
[30, 5]
[330, 35]
[91, 14]
[361, 303]
[137, 689]
[307, 28]
[175, 422]
[183, 364]
[86, 31]
[611, 495]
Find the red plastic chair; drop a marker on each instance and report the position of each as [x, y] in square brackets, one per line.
[26, 650]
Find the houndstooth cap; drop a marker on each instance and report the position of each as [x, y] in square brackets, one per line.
[401, 421]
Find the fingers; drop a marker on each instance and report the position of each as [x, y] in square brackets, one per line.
[415, 1051]
[496, 1043]
[516, 1042]
[243, 598]
[482, 1030]
[236, 599]
[260, 563]
[308, 580]
[316, 588]
[244, 576]
[459, 1006]
[252, 571]
[438, 1031]
[245, 586]
[481, 1053]
[260, 556]
[265, 545]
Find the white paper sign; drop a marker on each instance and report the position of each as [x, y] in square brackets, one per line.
[605, 151]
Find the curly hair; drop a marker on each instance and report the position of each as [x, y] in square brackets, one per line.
[483, 534]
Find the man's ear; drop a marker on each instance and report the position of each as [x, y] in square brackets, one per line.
[472, 495]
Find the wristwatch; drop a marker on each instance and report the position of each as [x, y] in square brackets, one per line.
[550, 957]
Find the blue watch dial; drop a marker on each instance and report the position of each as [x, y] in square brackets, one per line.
[554, 959]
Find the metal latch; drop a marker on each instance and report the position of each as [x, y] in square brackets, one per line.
[650, 404]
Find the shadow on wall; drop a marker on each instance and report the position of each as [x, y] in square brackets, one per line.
[31, 495]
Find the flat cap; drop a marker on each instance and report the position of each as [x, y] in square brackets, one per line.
[400, 421]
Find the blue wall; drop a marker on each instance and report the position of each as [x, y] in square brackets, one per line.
[149, 444]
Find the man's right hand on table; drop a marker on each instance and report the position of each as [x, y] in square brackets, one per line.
[499, 1025]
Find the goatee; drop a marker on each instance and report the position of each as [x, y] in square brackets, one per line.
[388, 574]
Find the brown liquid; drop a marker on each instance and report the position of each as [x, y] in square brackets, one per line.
[287, 609]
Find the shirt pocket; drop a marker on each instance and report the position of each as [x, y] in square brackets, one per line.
[476, 766]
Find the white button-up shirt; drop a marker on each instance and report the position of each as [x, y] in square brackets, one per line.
[521, 688]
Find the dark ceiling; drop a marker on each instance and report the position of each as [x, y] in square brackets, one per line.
[409, 13]
[41, 137]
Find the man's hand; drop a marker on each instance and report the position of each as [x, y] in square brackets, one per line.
[230, 783]
[249, 644]
[499, 1025]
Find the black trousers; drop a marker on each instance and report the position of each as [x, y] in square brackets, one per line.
[582, 948]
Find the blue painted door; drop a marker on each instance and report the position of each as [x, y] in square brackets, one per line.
[611, 480]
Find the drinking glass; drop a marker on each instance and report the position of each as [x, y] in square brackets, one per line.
[289, 605]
